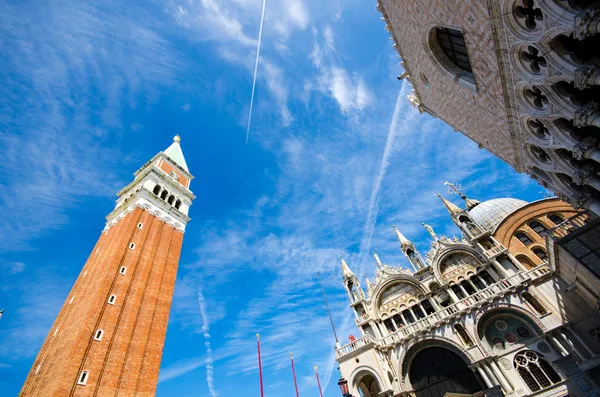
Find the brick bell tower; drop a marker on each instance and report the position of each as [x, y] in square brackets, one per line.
[108, 337]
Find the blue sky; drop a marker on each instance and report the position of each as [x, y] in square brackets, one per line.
[89, 93]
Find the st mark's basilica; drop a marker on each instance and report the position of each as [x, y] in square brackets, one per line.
[509, 308]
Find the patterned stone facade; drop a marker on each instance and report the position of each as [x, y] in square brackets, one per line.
[474, 317]
[524, 84]
[108, 337]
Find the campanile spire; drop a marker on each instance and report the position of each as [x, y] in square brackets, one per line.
[108, 337]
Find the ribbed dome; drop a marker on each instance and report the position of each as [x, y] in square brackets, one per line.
[490, 213]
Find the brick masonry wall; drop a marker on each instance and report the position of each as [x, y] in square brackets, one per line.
[480, 115]
[517, 221]
[134, 327]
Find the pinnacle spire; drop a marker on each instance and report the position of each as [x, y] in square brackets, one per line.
[452, 208]
[379, 264]
[346, 272]
[174, 152]
[401, 239]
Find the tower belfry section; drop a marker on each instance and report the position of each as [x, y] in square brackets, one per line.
[108, 337]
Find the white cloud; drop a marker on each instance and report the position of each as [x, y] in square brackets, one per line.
[209, 354]
[349, 91]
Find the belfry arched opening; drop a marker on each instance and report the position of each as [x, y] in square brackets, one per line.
[436, 371]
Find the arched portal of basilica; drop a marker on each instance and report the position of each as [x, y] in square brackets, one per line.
[435, 371]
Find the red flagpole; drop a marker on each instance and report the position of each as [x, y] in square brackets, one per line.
[262, 393]
[318, 380]
[294, 372]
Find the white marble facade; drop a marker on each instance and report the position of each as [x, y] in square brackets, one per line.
[468, 317]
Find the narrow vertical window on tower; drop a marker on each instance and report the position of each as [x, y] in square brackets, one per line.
[83, 377]
[132, 246]
[98, 335]
[140, 225]
[122, 270]
[112, 299]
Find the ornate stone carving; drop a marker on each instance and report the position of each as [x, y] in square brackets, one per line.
[588, 115]
[581, 176]
[587, 75]
[587, 23]
[582, 147]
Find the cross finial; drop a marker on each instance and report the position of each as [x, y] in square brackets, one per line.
[453, 188]
[177, 138]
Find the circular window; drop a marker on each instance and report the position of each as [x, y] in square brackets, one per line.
[523, 332]
[500, 325]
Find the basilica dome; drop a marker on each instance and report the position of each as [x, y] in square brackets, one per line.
[490, 213]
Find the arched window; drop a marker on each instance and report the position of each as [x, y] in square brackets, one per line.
[525, 261]
[538, 228]
[457, 291]
[523, 238]
[98, 335]
[486, 277]
[418, 312]
[123, 270]
[535, 371]
[164, 194]
[156, 189]
[555, 218]
[171, 199]
[463, 334]
[477, 281]
[427, 306]
[408, 316]
[450, 49]
[541, 253]
[83, 377]
[389, 325]
[468, 287]
[178, 204]
[535, 303]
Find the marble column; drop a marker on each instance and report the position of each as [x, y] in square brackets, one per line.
[490, 374]
[570, 344]
[484, 376]
[557, 346]
[452, 295]
[501, 377]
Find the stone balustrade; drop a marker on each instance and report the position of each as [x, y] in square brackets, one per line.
[363, 318]
[358, 344]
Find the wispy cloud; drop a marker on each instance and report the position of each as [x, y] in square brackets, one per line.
[209, 353]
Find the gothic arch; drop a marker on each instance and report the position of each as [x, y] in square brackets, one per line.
[438, 260]
[383, 286]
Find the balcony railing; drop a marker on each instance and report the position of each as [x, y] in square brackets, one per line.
[432, 321]
[363, 318]
[571, 225]
[365, 341]
[495, 251]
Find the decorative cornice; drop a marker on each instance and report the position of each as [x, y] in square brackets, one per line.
[147, 201]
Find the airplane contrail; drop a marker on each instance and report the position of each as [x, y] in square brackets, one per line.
[262, 19]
